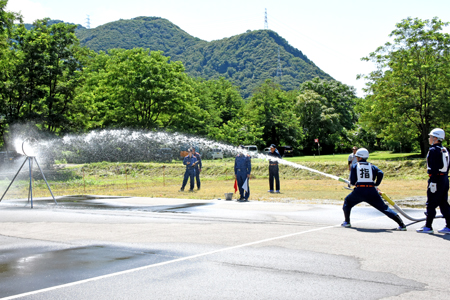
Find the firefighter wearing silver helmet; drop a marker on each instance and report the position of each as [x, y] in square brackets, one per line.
[437, 191]
[366, 178]
[363, 153]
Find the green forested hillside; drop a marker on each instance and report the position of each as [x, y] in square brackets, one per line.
[247, 59]
[152, 33]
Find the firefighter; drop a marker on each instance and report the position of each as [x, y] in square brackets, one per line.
[437, 191]
[273, 169]
[189, 161]
[242, 170]
[367, 177]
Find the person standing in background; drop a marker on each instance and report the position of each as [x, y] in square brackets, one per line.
[242, 170]
[198, 167]
[189, 161]
[273, 169]
[352, 158]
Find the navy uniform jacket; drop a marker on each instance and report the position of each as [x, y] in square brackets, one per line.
[199, 159]
[435, 162]
[242, 164]
[275, 154]
[192, 160]
[377, 174]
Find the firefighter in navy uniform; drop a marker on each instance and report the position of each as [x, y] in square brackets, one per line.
[189, 161]
[437, 192]
[273, 169]
[366, 177]
[198, 167]
[242, 170]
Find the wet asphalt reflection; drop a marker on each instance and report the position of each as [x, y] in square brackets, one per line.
[92, 202]
[35, 268]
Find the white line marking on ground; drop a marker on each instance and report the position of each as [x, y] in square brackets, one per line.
[175, 260]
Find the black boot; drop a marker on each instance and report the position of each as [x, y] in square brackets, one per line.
[401, 225]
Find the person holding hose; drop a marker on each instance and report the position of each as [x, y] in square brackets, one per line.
[437, 192]
[367, 177]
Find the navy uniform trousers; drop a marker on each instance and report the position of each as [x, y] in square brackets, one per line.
[369, 195]
[190, 173]
[241, 176]
[438, 199]
[274, 174]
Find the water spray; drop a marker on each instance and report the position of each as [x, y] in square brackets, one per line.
[383, 195]
[138, 145]
[28, 148]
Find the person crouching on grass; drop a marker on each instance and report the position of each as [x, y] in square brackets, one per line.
[367, 177]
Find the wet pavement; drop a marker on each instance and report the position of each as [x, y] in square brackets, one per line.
[34, 268]
[97, 202]
[128, 248]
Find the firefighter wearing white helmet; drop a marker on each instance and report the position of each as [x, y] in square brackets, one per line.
[437, 192]
[363, 153]
[366, 177]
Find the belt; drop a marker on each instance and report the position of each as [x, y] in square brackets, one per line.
[365, 185]
[442, 174]
[273, 164]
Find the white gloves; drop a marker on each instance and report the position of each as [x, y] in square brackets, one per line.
[432, 187]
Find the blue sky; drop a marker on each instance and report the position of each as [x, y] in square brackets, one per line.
[333, 34]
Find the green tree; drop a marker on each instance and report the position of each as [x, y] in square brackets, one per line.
[408, 93]
[238, 131]
[137, 88]
[7, 20]
[7, 58]
[213, 103]
[341, 100]
[272, 109]
[318, 121]
[41, 72]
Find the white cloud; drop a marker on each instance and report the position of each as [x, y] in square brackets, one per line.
[29, 10]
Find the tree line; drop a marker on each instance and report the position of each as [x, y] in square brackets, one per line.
[50, 81]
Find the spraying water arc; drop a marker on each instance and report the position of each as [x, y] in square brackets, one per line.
[127, 145]
[383, 195]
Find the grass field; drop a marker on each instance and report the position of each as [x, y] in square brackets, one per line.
[405, 178]
[379, 155]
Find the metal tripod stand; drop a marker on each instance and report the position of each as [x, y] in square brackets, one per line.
[30, 160]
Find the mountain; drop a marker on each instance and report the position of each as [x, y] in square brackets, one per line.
[51, 22]
[247, 59]
[152, 33]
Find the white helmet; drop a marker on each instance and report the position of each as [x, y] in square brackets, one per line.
[363, 153]
[439, 133]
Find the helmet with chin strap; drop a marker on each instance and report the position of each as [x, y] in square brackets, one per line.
[438, 133]
[363, 153]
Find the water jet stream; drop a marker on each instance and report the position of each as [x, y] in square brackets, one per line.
[127, 145]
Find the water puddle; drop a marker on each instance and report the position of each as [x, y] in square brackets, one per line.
[99, 202]
[25, 271]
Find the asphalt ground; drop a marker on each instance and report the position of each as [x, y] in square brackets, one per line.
[156, 248]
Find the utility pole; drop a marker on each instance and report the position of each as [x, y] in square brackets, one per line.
[88, 22]
[266, 25]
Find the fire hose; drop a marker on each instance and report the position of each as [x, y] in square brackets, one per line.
[383, 195]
